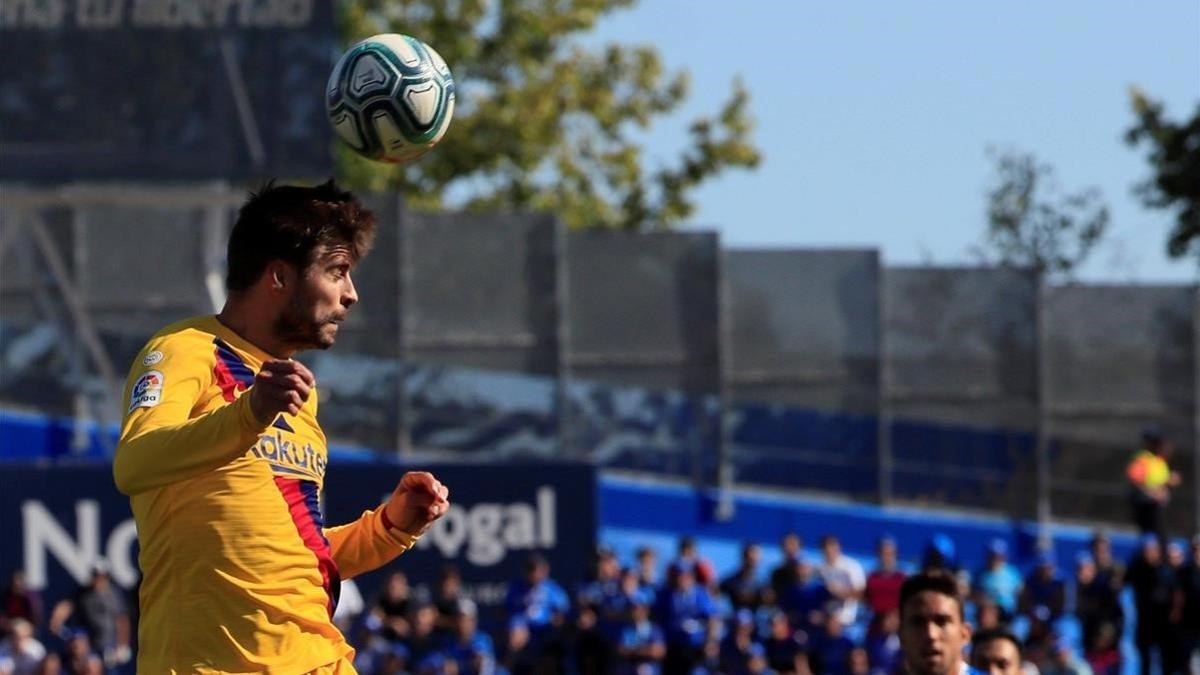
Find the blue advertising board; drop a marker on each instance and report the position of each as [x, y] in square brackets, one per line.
[58, 521]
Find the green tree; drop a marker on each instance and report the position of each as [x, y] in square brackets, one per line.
[543, 123]
[1032, 224]
[1175, 160]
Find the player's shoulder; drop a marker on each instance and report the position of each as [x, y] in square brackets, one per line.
[192, 336]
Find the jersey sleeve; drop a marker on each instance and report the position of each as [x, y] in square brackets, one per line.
[161, 442]
[366, 544]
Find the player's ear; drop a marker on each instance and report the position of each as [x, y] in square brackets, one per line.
[279, 275]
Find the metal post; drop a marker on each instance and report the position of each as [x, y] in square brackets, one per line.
[562, 340]
[213, 241]
[1196, 409]
[883, 394]
[404, 283]
[725, 470]
[1044, 418]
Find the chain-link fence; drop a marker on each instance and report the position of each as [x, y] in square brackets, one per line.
[497, 336]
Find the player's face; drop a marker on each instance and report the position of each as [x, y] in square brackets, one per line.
[321, 300]
[932, 634]
[997, 657]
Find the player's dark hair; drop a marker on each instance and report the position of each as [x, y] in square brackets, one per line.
[978, 640]
[289, 222]
[937, 580]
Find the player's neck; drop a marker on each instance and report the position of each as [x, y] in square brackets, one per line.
[249, 325]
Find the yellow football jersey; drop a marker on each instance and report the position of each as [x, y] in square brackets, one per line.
[239, 572]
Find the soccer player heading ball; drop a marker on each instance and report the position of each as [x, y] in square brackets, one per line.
[223, 459]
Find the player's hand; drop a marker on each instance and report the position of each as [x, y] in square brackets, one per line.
[280, 387]
[419, 500]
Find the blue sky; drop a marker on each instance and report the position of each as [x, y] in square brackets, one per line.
[874, 117]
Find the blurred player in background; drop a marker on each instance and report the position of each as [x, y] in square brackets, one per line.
[933, 628]
[224, 461]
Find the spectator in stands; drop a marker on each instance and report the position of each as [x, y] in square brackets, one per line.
[1109, 570]
[599, 608]
[20, 652]
[615, 610]
[883, 584]
[19, 602]
[844, 579]
[807, 600]
[996, 652]
[784, 575]
[1150, 481]
[470, 648]
[988, 615]
[743, 587]
[1103, 652]
[1097, 604]
[1044, 587]
[392, 608]
[423, 640]
[738, 644]
[883, 641]
[605, 582]
[647, 566]
[689, 558]
[537, 598]
[1186, 604]
[642, 647]
[1152, 582]
[933, 628]
[78, 657]
[99, 609]
[786, 648]
[857, 663]
[447, 596]
[603, 600]
[1039, 636]
[1175, 656]
[999, 582]
[520, 655]
[686, 612]
[758, 661]
[940, 554]
[829, 650]
[1064, 661]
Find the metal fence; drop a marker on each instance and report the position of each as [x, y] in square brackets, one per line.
[506, 336]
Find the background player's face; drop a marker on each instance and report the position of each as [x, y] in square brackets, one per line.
[997, 657]
[321, 299]
[932, 634]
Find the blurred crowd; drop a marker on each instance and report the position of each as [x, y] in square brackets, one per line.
[818, 612]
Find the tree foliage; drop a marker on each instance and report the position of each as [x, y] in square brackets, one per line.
[1175, 160]
[1032, 224]
[545, 123]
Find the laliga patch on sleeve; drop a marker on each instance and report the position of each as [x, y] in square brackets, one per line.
[147, 391]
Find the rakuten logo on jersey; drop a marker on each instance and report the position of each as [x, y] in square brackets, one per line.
[484, 533]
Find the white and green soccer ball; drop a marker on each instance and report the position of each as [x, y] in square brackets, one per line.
[390, 97]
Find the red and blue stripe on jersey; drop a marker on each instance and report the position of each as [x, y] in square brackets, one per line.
[302, 500]
[232, 374]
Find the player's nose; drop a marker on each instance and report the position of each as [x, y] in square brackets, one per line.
[349, 293]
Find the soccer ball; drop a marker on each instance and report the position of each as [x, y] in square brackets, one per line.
[390, 97]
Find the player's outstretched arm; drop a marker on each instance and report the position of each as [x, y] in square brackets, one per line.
[380, 535]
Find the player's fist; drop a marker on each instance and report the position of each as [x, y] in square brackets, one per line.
[418, 500]
[280, 387]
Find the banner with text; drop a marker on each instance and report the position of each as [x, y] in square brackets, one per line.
[163, 89]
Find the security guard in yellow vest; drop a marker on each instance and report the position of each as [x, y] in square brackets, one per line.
[1151, 480]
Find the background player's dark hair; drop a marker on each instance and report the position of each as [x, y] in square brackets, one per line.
[936, 580]
[985, 636]
[289, 222]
